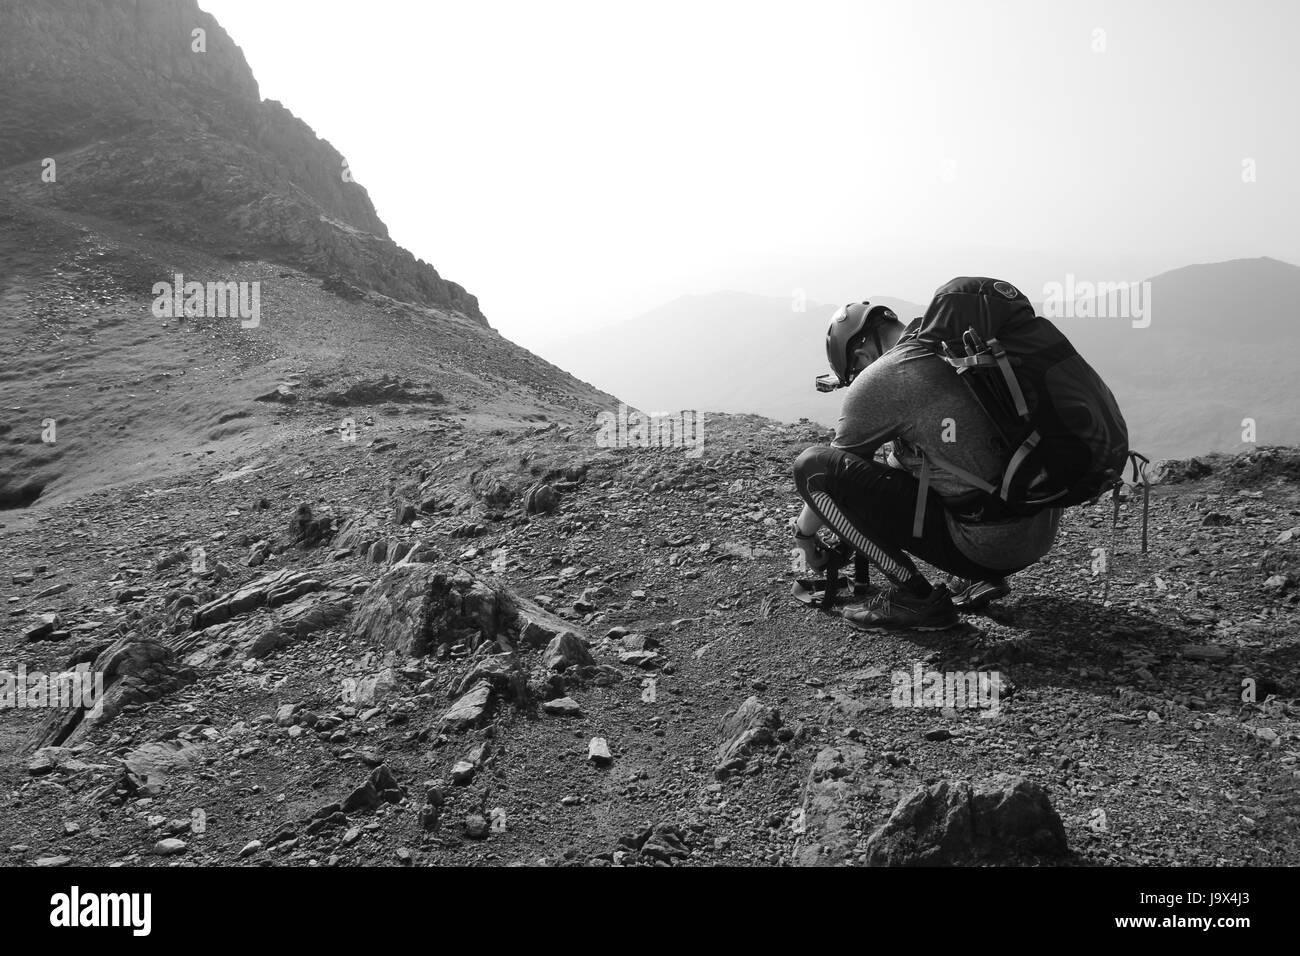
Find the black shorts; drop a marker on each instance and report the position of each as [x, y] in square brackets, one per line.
[872, 506]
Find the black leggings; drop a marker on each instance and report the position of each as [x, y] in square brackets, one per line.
[871, 507]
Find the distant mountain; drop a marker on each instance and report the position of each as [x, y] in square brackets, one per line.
[1218, 350]
[722, 352]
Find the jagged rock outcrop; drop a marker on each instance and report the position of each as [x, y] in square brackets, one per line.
[262, 635]
[271, 591]
[414, 608]
[746, 730]
[109, 90]
[1171, 471]
[134, 671]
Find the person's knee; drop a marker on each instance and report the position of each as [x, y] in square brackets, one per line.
[812, 461]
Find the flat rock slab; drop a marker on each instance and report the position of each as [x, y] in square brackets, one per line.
[59, 760]
[470, 709]
[275, 589]
[538, 626]
[563, 707]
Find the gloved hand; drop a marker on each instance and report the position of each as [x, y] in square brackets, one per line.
[814, 552]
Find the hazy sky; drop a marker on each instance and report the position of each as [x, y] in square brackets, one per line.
[574, 163]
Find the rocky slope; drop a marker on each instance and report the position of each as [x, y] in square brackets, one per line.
[130, 394]
[443, 661]
[364, 587]
[146, 129]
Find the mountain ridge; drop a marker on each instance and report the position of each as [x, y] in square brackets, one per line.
[109, 91]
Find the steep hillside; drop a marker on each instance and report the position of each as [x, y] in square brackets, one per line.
[148, 123]
[131, 394]
[135, 154]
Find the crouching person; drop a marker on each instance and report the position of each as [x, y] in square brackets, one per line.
[903, 394]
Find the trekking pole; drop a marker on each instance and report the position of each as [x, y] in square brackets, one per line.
[1110, 552]
[861, 574]
[835, 559]
[1146, 501]
[1140, 463]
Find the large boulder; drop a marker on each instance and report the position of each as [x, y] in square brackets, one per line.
[300, 619]
[540, 499]
[537, 626]
[954, 823]
[565, 651]
[309, 529]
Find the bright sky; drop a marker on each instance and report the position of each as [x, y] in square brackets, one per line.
[573, 163]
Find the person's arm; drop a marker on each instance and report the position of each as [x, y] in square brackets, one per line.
[868, 446]
[866, 422]
[871, 413]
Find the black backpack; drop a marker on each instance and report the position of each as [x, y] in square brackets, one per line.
[1066, 439]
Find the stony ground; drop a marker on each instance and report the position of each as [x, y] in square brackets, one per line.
[1160, 725]
[472, 634]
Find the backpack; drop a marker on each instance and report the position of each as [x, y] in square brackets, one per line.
[1065, 438]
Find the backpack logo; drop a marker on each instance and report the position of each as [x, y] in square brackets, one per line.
[1006, 289]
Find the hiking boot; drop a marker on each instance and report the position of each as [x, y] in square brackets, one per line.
[977, 595]
[898, 610]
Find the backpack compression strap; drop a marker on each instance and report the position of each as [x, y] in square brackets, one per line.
[1013, 386]
[923, 489]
